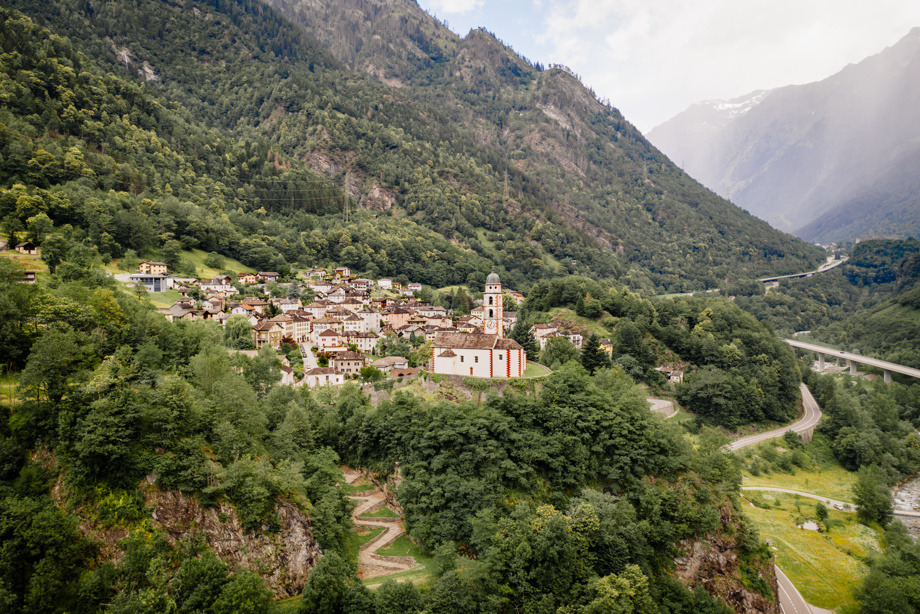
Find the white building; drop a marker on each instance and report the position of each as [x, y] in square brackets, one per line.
[477, 354]
[322, 376]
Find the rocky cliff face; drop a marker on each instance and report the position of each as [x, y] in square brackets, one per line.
[284, 559]
[715, 563]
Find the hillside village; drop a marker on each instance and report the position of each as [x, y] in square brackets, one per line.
[334, 324]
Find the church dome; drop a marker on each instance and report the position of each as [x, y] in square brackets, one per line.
[493, 278]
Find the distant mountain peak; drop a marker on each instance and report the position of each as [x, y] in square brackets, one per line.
[794, 155]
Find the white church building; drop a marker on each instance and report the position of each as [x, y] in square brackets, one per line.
[486, 354]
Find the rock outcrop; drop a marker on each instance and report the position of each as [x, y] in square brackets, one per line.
[713, 562]
[284, 559]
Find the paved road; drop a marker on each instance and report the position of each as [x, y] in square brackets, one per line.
[663, 406]
[872, 362]
[309, 358]
[827, 266]
[808, 421]
[790, 601]
[841, 505]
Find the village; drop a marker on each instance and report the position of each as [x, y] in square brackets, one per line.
[342, 324]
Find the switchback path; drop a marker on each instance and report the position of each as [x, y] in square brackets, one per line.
[808, 421]
[371, 564]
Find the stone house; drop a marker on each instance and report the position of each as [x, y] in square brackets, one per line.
[349, 363]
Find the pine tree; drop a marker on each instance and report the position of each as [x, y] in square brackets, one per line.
[592, 356]
[520, 332]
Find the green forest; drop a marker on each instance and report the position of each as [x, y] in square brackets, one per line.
[249, 140]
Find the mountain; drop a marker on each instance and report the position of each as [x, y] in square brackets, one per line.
[460, 140]
[830, 160]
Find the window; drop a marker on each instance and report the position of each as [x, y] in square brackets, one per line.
[476, 359]
[500, 357]
[461, 359]
[491, 314]
[490, 300]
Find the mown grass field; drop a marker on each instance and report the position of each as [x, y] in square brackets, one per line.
[825, 567]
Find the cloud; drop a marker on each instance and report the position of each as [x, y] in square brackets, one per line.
[655, 58]
[454, 7]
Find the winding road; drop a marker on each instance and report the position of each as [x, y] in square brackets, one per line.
[807, 422]
[844, 506]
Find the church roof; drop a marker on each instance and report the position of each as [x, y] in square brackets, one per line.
[473, 341]
[493, 278]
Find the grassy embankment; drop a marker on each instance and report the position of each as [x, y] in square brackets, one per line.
[825, 567]
[822, 475]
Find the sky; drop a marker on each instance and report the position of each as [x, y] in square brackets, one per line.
[654, 58]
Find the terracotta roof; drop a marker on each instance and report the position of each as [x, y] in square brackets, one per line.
[389, 361]
[329, 333]
[348, 356]
[402, 372]
[473, 341]
[321, 371]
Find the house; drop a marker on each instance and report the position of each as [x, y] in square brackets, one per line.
[153, 282]
[318, 309]
[267, 276]
[303, 325]
[675, 375]
[27, 247]
[397, 317]
[391, 362]
[353, 324]
[267, 333]
[364, 341]
[220, 284]
[414, 287]
[371, 319]
[28, 277]
[606, 346]
[361, 284]
[348, 362]
[287, 304]
[152, 268]
[384, 284]
[316, 273]
[574, 337]
[258, 305]
[477, 354]
[342, 271]
[328, 338]
[321, 376]
[178, 312]
[509, 319]
[247, 278]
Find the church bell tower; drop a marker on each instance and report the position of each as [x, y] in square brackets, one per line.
[492, 306]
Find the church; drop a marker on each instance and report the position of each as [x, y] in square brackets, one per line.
[486, 354]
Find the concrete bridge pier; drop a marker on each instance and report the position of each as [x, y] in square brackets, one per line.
[852, 367]
[887, 375]
[821, 363]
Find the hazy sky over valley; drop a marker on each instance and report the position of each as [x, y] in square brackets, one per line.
[653, 58]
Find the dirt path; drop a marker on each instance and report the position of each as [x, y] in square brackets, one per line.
[371, 564]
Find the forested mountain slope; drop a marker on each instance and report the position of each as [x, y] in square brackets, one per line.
[507, 162]
[830, 160]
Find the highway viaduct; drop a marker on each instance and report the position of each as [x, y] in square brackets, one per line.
[852, 359]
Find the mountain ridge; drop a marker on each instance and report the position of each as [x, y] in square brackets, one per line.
[807, 149]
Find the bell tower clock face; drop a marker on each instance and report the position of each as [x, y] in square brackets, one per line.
[490, 326]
